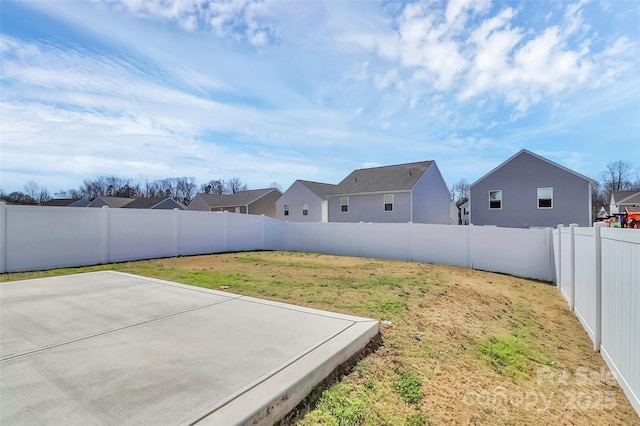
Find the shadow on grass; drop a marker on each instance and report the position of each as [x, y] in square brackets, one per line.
[310, 403]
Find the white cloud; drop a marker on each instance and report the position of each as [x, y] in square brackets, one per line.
[451, 50]
[237, 19]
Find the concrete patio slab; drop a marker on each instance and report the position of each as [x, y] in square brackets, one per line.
[114, 348]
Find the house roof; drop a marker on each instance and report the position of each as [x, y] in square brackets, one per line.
[526, 151]
[148, 203]
[114, 202]
[399, 177]
[627, 197]
[239, 198]
[320, 189]
[60, 202]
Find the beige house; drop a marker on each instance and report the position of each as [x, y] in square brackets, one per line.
[255, 201]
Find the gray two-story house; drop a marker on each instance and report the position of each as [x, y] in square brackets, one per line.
[412, 192]
[528, 190]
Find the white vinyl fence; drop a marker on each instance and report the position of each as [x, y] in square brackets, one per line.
[598, 273]
[36, 238]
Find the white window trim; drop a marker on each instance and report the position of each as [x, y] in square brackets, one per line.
[305, 208]
[286, 209]
[538, 198]
[384, 203]
[344, 204]
[495, 190]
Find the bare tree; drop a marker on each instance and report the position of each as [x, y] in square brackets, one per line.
[460, 192]
[214, 186]
[235, 185]
[617, 177]
[185, 189]
[32, 189]
[35, 192]
[275, 185]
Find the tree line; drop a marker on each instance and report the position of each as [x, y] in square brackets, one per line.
[181, 189]
[618, 176]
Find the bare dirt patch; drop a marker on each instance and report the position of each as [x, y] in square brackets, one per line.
[462, 346]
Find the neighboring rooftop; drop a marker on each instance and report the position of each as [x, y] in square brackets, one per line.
[627, 197]
[398, 177]
[318, 188]
[148, 203]
[239, 198]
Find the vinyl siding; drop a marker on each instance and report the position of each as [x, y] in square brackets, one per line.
[431, 198]
[295, 197]
[370, 208]
[519, 180]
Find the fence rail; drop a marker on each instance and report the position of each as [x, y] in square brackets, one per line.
[598, 272]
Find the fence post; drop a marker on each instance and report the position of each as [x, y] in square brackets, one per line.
[559, 277]
[470, 245]
[263, 225]
[105, 234]
[552, 261]
[598, 331]
[226, 230]
[3, 236]
[176, 212]
[572, 228]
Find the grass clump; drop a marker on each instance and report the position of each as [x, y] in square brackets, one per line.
[507, 355]
[417, 419]
[409, 387]
[341, 405]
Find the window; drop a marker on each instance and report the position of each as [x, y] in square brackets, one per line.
[286, 210]
[388, 202]
[305, 209]
[545, 198]
[237, 209]
[495, 200]
[344, 204]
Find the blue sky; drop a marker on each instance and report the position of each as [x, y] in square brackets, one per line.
[283, 90]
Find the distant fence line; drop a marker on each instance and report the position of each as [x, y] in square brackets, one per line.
[598, 272]
[37, 238]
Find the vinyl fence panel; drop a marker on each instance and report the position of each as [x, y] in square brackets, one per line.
[201, 232]
[52, 237]
[142, 234]
[585, 279]
[520, 252]
[621, 308]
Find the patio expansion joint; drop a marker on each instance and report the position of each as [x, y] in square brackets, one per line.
[113, 330]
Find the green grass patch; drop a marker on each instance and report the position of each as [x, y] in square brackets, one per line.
[340, 405]
[392, 307]
[409, 387]
[507, 355]
[417, 419]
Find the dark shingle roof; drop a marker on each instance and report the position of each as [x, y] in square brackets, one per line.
[400, 177]
[320, 189]
[60, 202]
[147, 203]
[240, 198]
[114, 202]
[626, 197]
